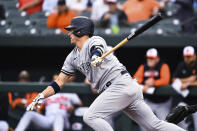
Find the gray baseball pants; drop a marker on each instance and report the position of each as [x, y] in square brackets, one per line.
[124, 94]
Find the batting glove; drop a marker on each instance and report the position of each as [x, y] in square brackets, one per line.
[37, 101]
[96, 61]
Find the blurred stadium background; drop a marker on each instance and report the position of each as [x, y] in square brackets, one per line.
[26, 43]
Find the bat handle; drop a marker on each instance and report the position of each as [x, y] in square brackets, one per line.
[115, 48]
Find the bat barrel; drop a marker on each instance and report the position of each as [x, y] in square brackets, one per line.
[144, 27]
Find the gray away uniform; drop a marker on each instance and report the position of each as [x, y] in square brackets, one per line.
[119, 90]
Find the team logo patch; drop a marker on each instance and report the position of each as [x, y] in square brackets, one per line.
[84, 67]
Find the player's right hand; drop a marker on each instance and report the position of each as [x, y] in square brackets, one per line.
[96, 60]
[37, 101]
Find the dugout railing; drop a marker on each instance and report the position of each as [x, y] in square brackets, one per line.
[79, 88]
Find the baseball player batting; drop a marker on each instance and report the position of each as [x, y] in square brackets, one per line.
[118, 91]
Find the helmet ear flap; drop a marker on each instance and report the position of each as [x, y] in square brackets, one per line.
[77, 33]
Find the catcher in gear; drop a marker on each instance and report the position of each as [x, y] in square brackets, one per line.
[180, 112]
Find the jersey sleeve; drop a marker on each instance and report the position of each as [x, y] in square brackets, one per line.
[68, 67]
[97, 43]
[75, 100]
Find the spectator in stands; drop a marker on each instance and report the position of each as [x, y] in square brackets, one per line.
[77, 6]
[186, 15]
[61, 17]
[49, 5]
[2, 12]
[114, 17]
[19, 100]
[185, 76]
[24, 76]
[97, 13]
[139, 10]
[152, 74]
[30, 6]
[4, 111]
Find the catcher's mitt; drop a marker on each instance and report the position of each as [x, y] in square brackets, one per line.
[178, 114]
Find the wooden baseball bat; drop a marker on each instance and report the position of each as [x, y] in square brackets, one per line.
[143, 28]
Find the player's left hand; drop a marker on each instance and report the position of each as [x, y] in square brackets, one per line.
[37, 101]
[96, 61]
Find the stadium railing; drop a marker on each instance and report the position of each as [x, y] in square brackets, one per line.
[63, 41]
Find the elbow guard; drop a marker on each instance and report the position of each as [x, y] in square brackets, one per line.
[97, 50]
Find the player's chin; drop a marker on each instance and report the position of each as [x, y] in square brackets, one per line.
[72, 42]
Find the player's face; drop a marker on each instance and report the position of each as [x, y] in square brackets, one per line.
[152, 62]
[73, 38]
[190, 60]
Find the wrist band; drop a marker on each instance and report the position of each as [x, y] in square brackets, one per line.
[55, 86]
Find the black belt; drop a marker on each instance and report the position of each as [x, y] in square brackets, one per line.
[122, 73]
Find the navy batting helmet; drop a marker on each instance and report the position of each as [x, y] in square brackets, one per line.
[81, 26]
